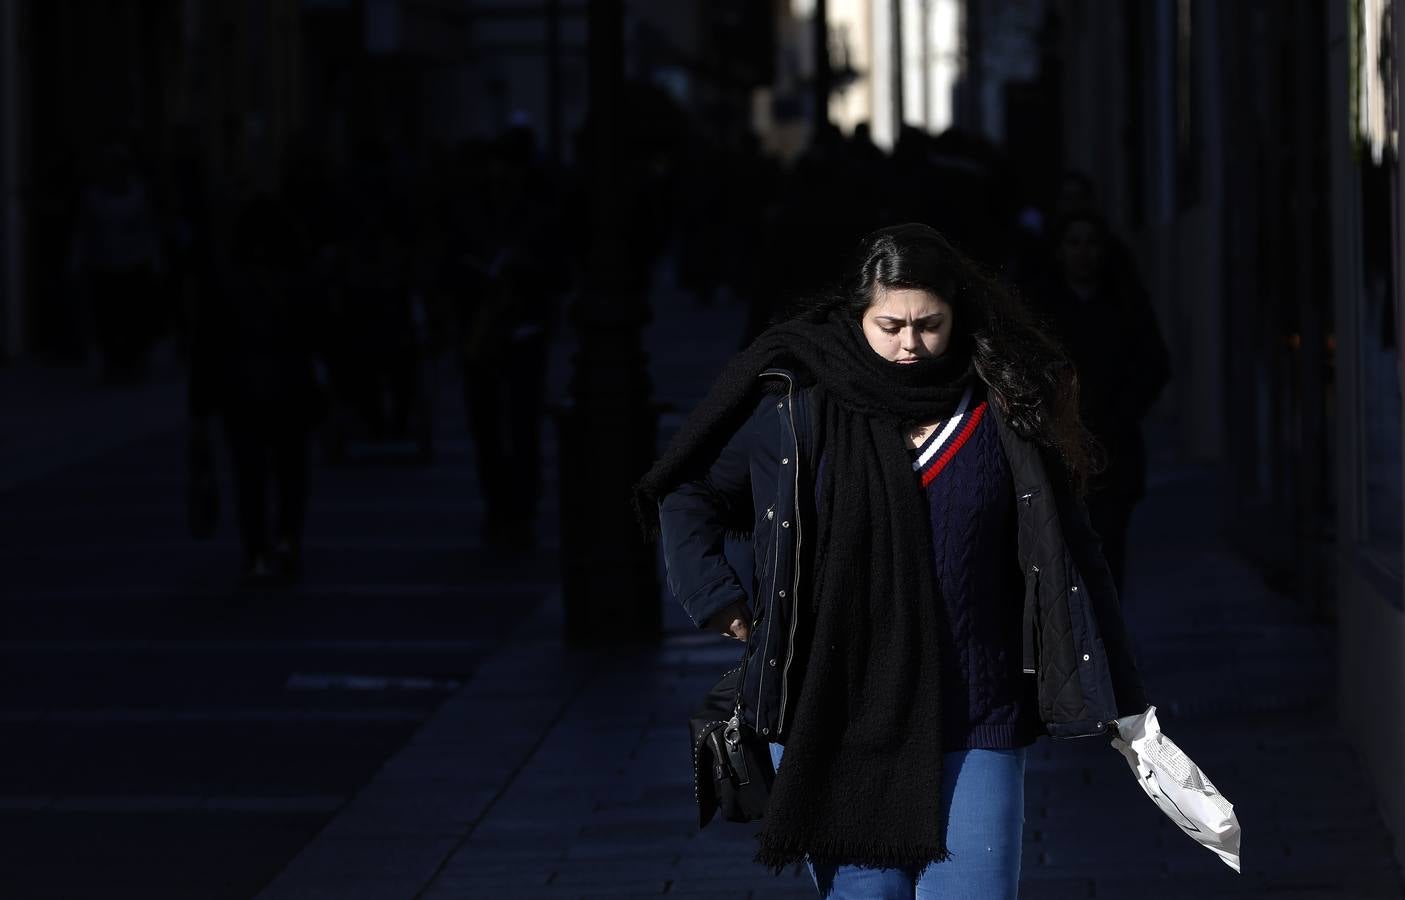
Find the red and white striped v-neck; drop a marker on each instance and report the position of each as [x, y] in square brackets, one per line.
[948, 438]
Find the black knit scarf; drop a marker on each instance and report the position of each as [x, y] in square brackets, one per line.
[861, 780]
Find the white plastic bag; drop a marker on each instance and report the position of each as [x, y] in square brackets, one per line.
[1177, 785]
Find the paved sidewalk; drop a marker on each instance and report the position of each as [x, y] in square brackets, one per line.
[557, 774]
[52, 417]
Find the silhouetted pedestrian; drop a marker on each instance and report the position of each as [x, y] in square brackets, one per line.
[253, 364]
[1077, 197]
[1106, 323]
[375, 350]
[511, 274]
[117, 256]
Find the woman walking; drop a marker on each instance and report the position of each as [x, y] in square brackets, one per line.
[252, 362]
[928, 597]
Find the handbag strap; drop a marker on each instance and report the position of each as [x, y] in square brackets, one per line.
[731, 732]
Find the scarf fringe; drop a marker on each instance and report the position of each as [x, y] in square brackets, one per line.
[777, 855]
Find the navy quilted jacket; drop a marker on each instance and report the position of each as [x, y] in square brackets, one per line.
[1074, 637]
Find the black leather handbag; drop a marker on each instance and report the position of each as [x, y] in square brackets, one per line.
[732, 770]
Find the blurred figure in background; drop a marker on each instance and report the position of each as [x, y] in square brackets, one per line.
[1076, 196]
[1108, 327]
[116, 258]
[253, 364]
[510, 275]
[726, 194]
[374, 345]
[825, 202]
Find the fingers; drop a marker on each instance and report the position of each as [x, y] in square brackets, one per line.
[732, 622]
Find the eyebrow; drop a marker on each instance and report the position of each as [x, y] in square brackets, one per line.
[896, 320]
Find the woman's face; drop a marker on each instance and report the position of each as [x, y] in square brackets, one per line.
[904, 325]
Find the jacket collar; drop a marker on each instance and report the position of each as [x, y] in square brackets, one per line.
[1026, 462]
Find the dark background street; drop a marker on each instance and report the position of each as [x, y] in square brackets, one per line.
[167, 735]
[335, 334]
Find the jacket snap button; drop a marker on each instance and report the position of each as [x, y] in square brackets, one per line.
[772, 662]
[785, 524]
[785, 461]
[1074, 588]
[1034, 570]
[780, 405]
[782, 593]
[765, 731]
[1086, 657]
[770, 513]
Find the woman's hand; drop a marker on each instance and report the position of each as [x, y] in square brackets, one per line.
[733, 622]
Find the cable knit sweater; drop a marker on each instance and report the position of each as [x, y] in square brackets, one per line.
[987, 701]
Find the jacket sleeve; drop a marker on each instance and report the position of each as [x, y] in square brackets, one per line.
[1086, 547]
[692, 528]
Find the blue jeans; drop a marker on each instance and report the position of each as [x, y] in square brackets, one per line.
[983, 809]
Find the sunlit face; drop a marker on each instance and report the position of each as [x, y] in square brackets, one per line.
[904, 325]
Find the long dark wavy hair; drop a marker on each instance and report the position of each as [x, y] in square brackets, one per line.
[1028, 373]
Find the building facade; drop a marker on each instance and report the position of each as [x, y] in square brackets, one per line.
[1368, 255]
[1249, 153]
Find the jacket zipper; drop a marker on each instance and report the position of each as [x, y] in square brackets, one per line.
[795, 584]
[770, 598]
[1030, 622]
[1103, 728]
